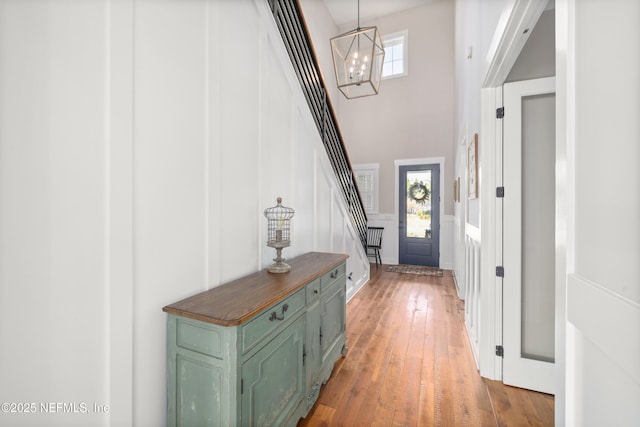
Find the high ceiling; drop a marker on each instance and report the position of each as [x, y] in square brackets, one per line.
[345, 12]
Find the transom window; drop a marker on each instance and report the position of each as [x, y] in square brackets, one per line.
[395, 55]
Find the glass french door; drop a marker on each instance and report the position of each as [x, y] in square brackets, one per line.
[419, 222]
[529, 229]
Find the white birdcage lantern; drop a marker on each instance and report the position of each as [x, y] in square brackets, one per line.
[279, 233]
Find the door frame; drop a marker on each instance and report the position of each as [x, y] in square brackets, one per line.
[434, 239]
[508, 40]
[396, 216]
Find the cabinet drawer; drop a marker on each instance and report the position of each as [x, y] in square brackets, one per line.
[313, 291]
[331, 276]
[270, 320]
[200, 337]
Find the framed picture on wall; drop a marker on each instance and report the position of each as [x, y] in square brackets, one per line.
[473, 167]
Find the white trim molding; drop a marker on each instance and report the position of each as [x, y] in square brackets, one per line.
[509, 38]
[470, 289]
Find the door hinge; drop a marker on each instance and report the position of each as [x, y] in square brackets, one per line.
[500, 113]
[499, 192]
[500, 271]
[499, 351]
[241, 386]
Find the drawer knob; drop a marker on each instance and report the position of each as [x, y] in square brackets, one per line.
[334, 274]
[315, 291]
[274, 315]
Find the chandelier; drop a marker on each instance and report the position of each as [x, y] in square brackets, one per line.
[358, 56]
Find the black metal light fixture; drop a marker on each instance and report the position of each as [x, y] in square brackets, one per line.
[358, 56]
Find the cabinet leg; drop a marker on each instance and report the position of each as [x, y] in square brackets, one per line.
[345, 350]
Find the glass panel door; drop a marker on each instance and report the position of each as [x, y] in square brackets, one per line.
[419, 207]
[529, 230]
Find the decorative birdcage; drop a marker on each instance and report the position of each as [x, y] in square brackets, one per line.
[279, 233]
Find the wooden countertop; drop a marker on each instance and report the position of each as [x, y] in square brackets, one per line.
[235, 302]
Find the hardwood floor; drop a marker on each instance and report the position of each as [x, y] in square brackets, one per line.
[410, 364]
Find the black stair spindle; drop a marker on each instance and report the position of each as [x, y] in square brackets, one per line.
[295, 35]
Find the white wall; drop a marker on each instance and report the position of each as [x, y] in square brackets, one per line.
[54, 209]
[322, 27]
[597, 287]
[135, 166]
[598, 65]
[475, 24]
[489, 36]
[411, 118]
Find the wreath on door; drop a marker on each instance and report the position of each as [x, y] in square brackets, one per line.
[418, 192]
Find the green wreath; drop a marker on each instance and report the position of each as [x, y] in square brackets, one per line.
[418, 192]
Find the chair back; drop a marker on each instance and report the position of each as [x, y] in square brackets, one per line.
[374, 237]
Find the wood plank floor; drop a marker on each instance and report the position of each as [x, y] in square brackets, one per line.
[410, 364]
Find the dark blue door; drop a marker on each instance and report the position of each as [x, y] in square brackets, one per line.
[419, 242]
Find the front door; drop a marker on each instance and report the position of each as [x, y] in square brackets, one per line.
[529, 234]
[419, 222]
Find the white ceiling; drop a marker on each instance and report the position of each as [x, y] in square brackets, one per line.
[346, 11]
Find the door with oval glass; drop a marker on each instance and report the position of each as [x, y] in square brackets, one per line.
[419, 222]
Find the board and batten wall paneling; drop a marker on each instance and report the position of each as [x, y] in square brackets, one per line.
[323, 207]
[304, 189]
[135, 166]
[602, 287]
[54, 176]
[277, 133]
[241, 140]
[120, 193]
[170, 170]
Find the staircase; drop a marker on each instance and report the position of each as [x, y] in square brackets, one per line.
[296, 39]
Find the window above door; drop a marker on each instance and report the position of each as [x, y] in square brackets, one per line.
[395, 55]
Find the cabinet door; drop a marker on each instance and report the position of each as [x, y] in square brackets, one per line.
[313, 353]
[272, 383]
[333, 323]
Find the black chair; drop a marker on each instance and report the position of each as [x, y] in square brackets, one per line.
[374, 243]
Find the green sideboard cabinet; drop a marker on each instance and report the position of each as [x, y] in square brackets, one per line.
[256, 351]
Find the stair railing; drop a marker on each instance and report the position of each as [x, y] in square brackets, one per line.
[295, 35]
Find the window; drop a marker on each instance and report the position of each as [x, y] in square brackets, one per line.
[395, 55]
[367, 181]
